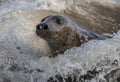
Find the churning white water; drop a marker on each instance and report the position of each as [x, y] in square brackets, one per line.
[23, 54]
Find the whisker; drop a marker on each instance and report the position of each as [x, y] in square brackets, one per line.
[35, 37]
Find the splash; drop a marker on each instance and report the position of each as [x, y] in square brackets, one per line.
[22, 55]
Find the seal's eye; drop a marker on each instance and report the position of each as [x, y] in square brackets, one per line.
[58, 21]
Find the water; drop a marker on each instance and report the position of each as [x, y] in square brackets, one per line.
[23, 55]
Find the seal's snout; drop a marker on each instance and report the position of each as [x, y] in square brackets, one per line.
[42, 26]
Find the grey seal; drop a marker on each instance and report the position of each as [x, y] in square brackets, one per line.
[61, 33]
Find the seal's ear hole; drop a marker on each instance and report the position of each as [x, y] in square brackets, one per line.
[44, 18]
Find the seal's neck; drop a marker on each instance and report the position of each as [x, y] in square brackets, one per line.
[87, 35]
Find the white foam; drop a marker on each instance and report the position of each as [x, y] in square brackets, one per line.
[19, 30]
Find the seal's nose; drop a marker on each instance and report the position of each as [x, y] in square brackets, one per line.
[42, 26]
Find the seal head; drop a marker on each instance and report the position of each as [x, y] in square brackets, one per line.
[54, 29]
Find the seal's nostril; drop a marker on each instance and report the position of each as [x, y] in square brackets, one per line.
[42, 26]
[38, 27]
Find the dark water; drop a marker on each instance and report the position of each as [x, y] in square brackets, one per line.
[99, 19]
